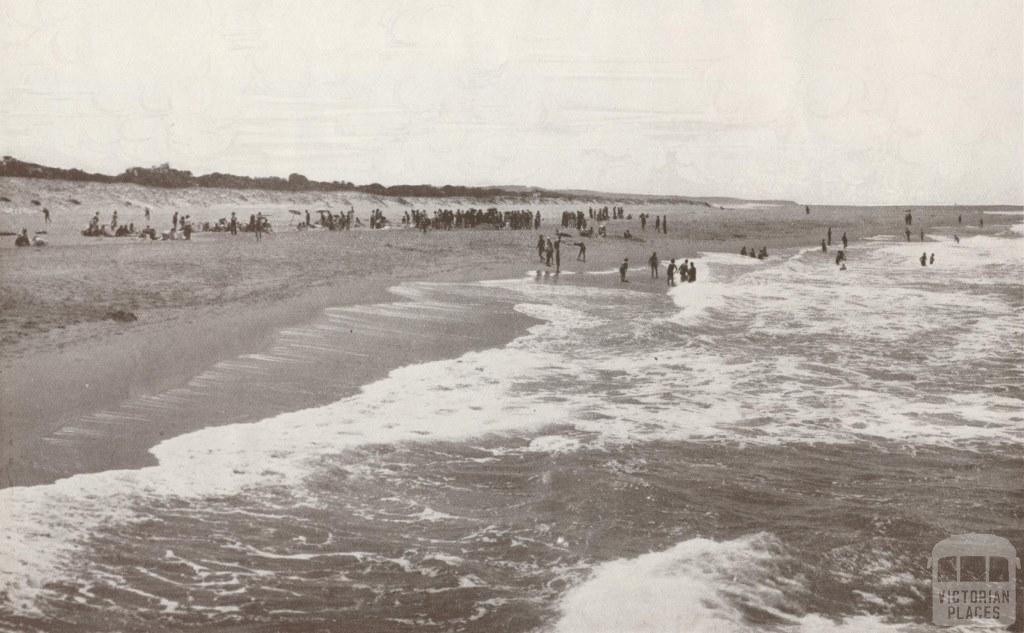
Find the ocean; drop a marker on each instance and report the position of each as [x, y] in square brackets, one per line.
[776, 446]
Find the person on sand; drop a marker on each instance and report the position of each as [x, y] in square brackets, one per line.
[623, 268]
[670, 272]
[845, 242]
[931, 260]
[653, 263]
[692, 276]
[540, 247]
[924, 259]
[582, 255]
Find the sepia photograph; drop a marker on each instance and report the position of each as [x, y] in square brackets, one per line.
[468, 316]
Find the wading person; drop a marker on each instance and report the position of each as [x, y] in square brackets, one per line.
[623, 268]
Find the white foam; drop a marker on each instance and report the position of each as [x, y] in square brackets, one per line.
[697, 585]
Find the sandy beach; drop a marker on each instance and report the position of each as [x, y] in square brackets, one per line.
[219, 296]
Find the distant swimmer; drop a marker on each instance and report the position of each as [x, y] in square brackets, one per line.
[924, 259]
[845, 242]
[623, 267]
[931, 260]
[824, 249]
[653, 262]
[670, 272]
[956, 238]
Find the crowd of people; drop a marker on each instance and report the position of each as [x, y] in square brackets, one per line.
[447, 219]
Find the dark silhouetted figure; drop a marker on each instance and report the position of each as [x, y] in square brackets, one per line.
[670, 272]
[924, 259]
[653, 262]
[623, 268]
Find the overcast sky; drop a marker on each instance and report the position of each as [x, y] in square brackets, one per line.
[855, 102]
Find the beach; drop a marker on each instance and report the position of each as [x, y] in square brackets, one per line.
[398, 430]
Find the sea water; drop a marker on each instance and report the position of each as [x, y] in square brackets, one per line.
[775, 446]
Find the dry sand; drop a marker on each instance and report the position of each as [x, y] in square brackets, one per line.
[219, 296]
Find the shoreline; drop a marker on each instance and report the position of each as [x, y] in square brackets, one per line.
[216, 298]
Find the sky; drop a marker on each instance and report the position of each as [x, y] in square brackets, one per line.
[820, 102]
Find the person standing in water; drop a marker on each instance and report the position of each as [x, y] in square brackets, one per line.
[653, 263]
[670, 272]
[664, 224]
[540, 247]
[931, 260]
[924, 259]
[830, 236]
[922, 235]
[692, 276]
[549, 252]
[558, 254]
[623, 268]
[845, 243]
[824, 249]
[582, 255]
[259, 227]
